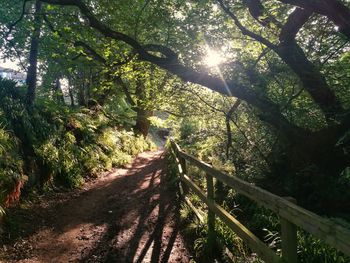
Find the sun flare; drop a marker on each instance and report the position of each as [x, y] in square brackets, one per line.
[213, 58]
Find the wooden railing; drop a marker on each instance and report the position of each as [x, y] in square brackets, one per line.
[291, 215]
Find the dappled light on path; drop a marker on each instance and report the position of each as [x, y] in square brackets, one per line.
[128, 215]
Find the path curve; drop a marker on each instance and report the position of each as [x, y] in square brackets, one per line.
[126, 216]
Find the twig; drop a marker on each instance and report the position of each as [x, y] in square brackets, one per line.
[243, 29]
[11, 26]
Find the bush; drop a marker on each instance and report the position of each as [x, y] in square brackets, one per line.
[55, 144]
[11, 173]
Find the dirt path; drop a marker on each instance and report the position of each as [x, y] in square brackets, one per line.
[126, 216]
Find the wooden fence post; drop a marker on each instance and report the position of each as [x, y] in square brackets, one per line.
[182, 166]
[289, 239]
[211, 218]
[184, 171]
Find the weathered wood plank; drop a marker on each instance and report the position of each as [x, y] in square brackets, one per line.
[253, 242]
[332, 233]
[199, 214]
[289, 239]
[184, 171]
[195, 210]
[181, 165]
[211, 217]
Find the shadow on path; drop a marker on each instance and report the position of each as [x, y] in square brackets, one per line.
[128, 216]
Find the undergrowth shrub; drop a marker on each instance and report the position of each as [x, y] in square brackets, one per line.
[53, 144]
[314, 250]
[88, 148]
[11, 162]
[11, 171]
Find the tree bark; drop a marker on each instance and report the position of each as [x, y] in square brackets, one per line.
[70, 91]
[58, 93]
[31, 80]
[228, 117]
[142, 122]
[229, 136]
[82, 100]
[335, 10]
[313, 81]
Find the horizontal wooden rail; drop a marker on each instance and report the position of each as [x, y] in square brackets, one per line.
[334, 234]
[266, 254]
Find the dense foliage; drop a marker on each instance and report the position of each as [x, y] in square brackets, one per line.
[53, 145]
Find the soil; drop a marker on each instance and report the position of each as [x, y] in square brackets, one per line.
[128, 215]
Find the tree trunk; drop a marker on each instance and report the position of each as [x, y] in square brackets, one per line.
[82, 101]
[312, 79]
[228, 117]
[58, 94]
[33, 55]
[70, 91]
[142, 122]
[229, 136]
[335, 10]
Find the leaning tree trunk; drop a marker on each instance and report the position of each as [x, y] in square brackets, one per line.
[313, 81]
[33, 55]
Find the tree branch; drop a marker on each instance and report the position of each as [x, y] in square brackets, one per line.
[51, 26]
[91, 52]
[335, 10]
[295, 22]
[11, 26]
[103, 61]
[257, 10]
[243, 29]
[234, 108]
[139, 18]
[213, 108]
[167, 52]
[126, 91]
